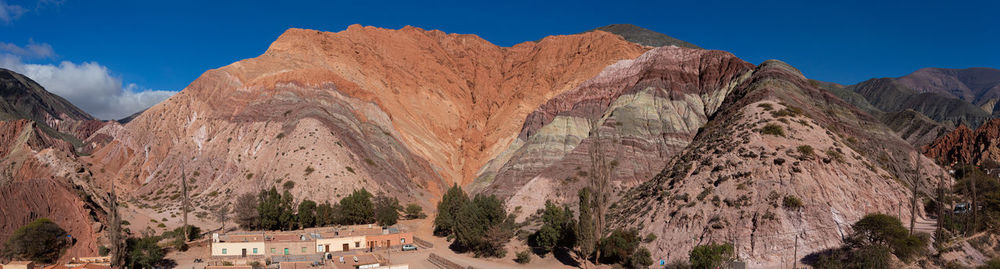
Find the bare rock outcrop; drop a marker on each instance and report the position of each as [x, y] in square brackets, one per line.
[967, 146]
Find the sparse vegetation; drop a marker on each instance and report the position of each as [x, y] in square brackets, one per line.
[773, 129]
[791, 202]
[766, 106]
[710, 256]
[309, 170]
[835, 155]
[805, 150]
[523, 257]
[288, 185]
[414, 211]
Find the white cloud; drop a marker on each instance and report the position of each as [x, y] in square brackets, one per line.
[30, 51]
[89, 86]
[9, 13]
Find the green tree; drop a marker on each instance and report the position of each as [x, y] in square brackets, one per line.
[558, 228]
[144, 252]
[286, 218]
[641, 258]
[270, 210]
[619, 246]
[483, 226]
[586, 241]
[414, 211]
[386, 210]
[448, 208]
[710, 256]
[40, 241]
[307, 214]
[881, 230]
[324, 214]
[357, 208]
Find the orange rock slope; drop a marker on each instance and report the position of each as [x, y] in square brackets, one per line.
[407, 109]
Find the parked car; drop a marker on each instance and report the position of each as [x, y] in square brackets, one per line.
[409, 247]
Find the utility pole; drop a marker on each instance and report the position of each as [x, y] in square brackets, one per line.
[940, 202]
[795, 252]
[975, 206]
[913, 206]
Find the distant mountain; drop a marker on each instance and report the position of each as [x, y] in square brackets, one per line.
[979, 86]
[888, 95]
[645, 37]
[23, 98]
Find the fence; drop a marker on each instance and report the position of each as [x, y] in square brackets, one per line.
[444, 263]
[422, 243]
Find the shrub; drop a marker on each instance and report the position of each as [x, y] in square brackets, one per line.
[414, 211]
[310, 170]
[523, 257]
[620, 246]
[103, 250]
[766, 106]
[40, 241]
[288, 185]
[805, 150]
[649, 238]
[773, 129]
[791, 202]
[877, 231]
[835, 155]
[710, 256]
[143, 252]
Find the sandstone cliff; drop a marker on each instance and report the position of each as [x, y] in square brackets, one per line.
[965, 146]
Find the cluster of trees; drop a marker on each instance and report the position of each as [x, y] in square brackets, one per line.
[875, 238]
[484, 227]
[480, 225]
[561, 232]
[271, 210]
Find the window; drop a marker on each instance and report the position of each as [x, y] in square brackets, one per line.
[272, 250]
[254, 250]
[286, 251]
[357, 244]
[223, 251]
[303, 249]
[402, 240]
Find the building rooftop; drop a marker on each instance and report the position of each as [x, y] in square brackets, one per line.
[351, 261]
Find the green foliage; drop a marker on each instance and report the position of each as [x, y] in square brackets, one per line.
[991, 264]
[307, 214]
[144, 252]
[194, 233]
[357, 208]
[649, 238]
[879, 230]
[245, 210]
[414, 211]
[276, 210]
[103, 250]
[806, 150]
[710, 256]
[386, 210]
[179, 244]
[326, 214]
[641, 258]
[791, 202]
[523, 257]
[288, 185]
[622, 247]
[987, 199]
[448, 208]
[309, 170]
[585, 228]
[558, 228]
[773, 129]
[40, 241]
[483, 227]
[835, 155]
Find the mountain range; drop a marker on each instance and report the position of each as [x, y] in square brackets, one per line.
[703, 145]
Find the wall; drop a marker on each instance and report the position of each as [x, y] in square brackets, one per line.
[336, 244]
[236, 248]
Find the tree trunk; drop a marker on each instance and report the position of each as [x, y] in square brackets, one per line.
[185, 203]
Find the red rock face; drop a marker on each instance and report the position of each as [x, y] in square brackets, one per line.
[41, 179]
[402, 111]
[965, 146]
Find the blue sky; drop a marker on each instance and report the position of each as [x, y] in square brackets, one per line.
[148, 49]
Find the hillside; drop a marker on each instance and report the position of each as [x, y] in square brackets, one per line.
[775, 136]
[640, 112]
[407, 112]
[644, 36]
